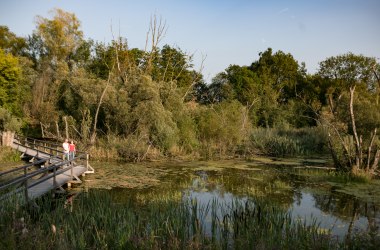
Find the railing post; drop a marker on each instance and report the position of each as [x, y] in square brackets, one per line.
[26, 186]
[71, 170]
[87, 161]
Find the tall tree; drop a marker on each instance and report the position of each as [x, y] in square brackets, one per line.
[61, 35]
[352, 84]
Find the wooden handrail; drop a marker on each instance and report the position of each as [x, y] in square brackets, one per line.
[21, 179]
[40, 147]
[24, 166]
[41, 143]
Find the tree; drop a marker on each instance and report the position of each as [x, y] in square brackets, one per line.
[61, 35]
[11, 43]
[279, 70]
[171, 64]
[347, 75]
[10, 73]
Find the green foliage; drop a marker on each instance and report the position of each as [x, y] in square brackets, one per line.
[149, 117]
[349, 69]
[171, 64]
[10, 43]
[221, 128]
[60, 35]
[9, 81]
[9, 122]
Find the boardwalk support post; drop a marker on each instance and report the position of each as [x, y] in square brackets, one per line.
[54, 179]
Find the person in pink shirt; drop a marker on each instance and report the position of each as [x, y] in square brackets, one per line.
[72, 150]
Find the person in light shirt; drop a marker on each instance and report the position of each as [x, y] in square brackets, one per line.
[66, 150]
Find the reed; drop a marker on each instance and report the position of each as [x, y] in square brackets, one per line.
[289, 142]
[95, 221]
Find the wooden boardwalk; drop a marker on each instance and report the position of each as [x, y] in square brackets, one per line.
[52, 173]
[60, 180]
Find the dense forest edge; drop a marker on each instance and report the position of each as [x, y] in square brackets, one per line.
[129, 104]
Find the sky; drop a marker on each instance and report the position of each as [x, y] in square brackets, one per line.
[219, 33]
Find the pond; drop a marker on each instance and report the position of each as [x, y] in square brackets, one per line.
[308, 190]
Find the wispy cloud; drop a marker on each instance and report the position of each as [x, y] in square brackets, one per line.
[283, 10]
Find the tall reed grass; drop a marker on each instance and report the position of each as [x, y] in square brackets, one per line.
[290, 142]
[95, 221]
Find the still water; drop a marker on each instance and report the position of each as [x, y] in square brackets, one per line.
[308, 194]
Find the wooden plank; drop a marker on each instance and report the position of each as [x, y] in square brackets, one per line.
[61, 179]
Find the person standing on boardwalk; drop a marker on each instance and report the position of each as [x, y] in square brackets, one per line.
[71, 150]
[66, 150]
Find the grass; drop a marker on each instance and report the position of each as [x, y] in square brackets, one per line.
[95, 222]
[8, 155]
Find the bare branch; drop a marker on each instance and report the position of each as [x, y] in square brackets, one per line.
[157, 30]
[195, 80]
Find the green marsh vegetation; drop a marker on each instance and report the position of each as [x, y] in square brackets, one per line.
[161, 205]
[98, 222]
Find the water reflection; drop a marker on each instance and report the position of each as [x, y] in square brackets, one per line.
[279, 186]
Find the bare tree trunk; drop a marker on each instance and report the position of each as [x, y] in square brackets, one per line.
[57, 128]
[42, 130]
[357, 141]
[370, 149]
[333, 154]
[93, 135]
[66, 127]
[376, 160]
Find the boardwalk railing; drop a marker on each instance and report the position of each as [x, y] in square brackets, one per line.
[48, 164]
[24, 182]
[48, 147]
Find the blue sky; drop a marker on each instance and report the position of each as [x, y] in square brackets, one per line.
[225, 32]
